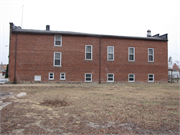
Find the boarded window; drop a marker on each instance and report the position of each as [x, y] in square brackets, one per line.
[37, 78]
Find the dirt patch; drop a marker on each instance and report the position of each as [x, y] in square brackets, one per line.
[92, 109]
[55, 102]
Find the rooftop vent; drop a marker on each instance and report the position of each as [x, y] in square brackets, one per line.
[148, 33]
[47, 27]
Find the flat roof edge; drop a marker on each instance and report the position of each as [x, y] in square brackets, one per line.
[29, 31]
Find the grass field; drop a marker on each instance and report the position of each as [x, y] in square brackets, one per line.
[92, 109]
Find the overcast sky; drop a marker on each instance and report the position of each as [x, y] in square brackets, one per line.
[112, 17]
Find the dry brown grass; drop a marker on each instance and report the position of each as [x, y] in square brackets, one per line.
[95, 109]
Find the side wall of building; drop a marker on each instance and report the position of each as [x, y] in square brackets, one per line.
[35, 56]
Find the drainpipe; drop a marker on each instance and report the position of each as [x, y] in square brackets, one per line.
[100, 60]
[15, 60]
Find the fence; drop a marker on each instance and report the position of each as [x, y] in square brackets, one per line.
[173, 78]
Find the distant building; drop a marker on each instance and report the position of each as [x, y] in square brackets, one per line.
[73, 57]
[176, 69]
[2, 67]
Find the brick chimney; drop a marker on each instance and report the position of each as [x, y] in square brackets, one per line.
[47, 27]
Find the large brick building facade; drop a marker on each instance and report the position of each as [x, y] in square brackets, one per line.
[58, 56]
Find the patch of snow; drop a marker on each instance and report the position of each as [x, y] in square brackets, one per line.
[21, 94]
[4, 104]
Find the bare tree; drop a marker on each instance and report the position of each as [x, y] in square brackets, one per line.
[170, 62]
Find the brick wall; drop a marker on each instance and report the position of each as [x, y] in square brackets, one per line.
[35, 54]
[121, 67]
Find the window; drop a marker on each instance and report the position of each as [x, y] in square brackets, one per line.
[51, 76]
[131, 78]
[88, 52]
[110, 53]
[110, 77]
[150, 77]
[131, 54]
[150, 55]
[62, 76]
[88, 77]
[57, 40]
[57, 59]
[37, 78]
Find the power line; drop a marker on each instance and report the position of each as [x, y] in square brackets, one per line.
[174, 53]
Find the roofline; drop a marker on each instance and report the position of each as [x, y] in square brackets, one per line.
[69, 33]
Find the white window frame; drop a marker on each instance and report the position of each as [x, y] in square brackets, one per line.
[55, 40]
[108, 77]
[50, 75]
[37, 78]
[85, 77]
[110, 53]
[129, 77]
[88, 52]
[131, 54]
[61, 76]
[150, 54]
[149, 77]
[55, 59]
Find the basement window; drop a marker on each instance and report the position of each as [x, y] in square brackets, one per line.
[110, 77]
[88, 77]
[62, 76]
[51, 76]
[110, 53]
[150, 77]
[150, 55]
[131, 55]
[131, 78]
[57, 40]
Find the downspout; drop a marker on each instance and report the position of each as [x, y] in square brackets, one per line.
[15, 60]
[100, 60]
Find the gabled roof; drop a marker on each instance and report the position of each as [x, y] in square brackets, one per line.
[16, 29]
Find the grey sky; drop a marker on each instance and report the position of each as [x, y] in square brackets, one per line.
[112, 17]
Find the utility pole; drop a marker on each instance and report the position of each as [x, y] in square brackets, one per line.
[22, 15]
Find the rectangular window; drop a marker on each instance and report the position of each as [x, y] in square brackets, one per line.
[131, 54]
[110, 77]
[57, 40]
[88, 77]
[37, 78]
[62, 76]
[57, 58]
[150, 77]
[131, 78]
[110, 53]
[150, 55]
[88, 52]
[51, 76]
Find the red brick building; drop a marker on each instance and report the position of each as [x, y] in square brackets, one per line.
[175, 67]
[60, 56]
